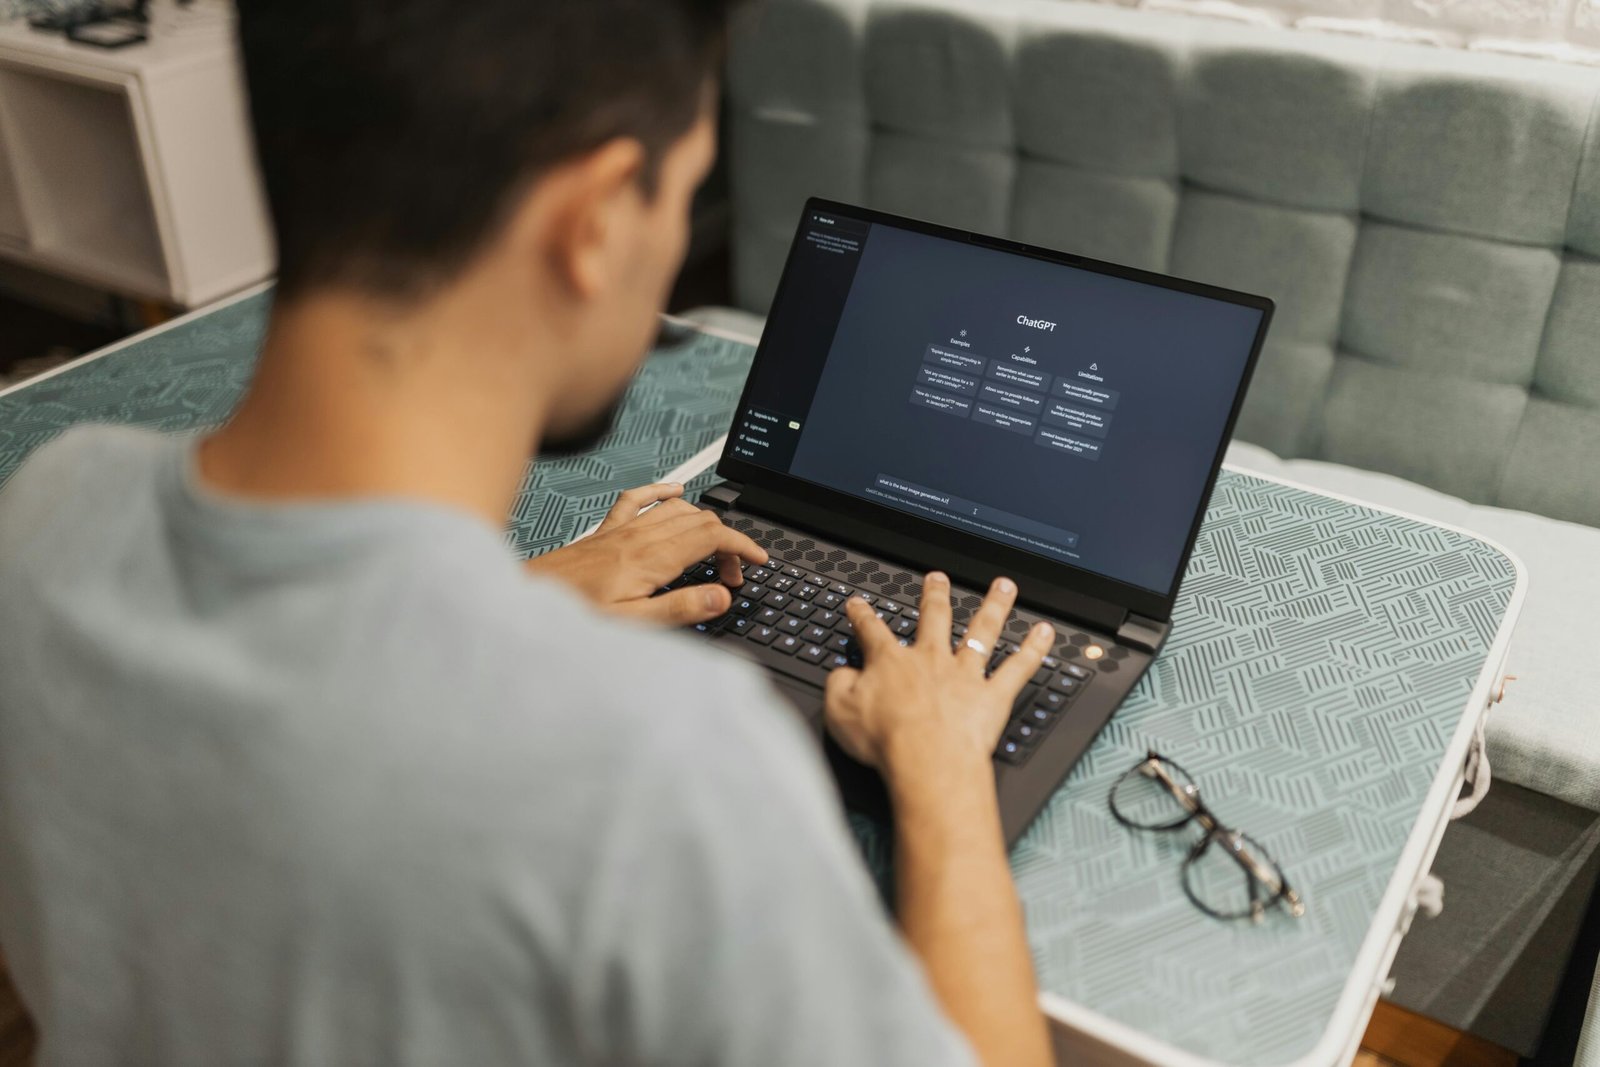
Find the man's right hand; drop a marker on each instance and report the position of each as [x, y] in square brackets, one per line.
[926, 708]
[928, 719]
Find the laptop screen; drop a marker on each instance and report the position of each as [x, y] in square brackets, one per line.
[1055, 409]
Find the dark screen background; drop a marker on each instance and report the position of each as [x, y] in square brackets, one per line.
[1176, 360]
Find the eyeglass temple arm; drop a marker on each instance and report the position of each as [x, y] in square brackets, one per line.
[1186, 797]
[1263, 874]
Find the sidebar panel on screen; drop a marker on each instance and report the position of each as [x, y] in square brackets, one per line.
[795, 346]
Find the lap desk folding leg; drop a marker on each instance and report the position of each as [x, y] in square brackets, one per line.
[1328, 665]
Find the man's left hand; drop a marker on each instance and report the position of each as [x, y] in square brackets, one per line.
[635, 552]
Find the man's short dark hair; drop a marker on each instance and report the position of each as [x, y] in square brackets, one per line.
[393, 135]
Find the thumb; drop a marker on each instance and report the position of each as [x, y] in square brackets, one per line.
[681, 607]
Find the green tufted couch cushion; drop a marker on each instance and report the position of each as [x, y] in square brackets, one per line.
[1428, 220]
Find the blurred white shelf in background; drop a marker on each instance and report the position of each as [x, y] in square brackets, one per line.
[132, 169]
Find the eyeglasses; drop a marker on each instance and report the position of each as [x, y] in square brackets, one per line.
[1226, 874]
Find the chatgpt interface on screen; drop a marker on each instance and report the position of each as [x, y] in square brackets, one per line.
[1053, 409]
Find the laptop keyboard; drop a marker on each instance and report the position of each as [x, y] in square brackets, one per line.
[798, 616]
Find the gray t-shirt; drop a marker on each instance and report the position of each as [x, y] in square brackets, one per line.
[339, 784]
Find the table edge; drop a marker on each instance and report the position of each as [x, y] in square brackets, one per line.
[142, 336]
[1342, 1035]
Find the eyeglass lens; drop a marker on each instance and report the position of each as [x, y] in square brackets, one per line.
[1145, 797]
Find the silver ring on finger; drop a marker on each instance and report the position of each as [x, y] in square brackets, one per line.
[977, 646]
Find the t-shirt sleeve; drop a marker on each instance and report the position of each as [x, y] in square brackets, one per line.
[733, 922]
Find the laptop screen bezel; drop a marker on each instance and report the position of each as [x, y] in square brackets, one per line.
[816, 498]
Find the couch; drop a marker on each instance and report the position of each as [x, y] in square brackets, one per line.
[1427, 220]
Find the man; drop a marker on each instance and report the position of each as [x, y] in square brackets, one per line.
[298, 766]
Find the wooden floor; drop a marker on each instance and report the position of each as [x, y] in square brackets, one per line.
[1395, 1038]
[16, 1032]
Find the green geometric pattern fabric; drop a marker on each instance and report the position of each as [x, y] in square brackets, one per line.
[187, 379]
[1321, 657]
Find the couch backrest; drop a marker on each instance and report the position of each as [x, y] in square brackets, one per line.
[1426, 219]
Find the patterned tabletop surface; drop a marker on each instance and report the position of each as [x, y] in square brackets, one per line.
[1321, 659]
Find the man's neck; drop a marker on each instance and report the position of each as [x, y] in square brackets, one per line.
[350, 401]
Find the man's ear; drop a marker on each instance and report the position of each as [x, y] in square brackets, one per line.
[578, 217]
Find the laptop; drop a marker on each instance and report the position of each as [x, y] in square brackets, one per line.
[929, 398]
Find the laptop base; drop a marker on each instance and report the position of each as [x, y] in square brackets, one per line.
[799, 597]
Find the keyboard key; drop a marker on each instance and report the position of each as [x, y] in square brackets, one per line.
[800, 609]
[1013, 752]
[904, 627]
[707, 574]
[839, 642]
[817, 635]
[827, 619]
[753, 590]
[830, 600]
[787, 643]
[835, 661]
[890, 606]
[812, 654]
[791, 625]
[1024, 699]
[758, 574]
[769, 616]
[745, 606]
[762, 635]
[782, 585]
[844, 626]
[794, 572]
[1039, 716]
[1053, 700]
[742, 626]
[1076, 671]
[1064, 684]
[840, 588]
[1027, 733]
[776, 599]
[806, 592]
[867, 598]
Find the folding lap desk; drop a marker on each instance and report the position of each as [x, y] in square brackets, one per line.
[1327, 669]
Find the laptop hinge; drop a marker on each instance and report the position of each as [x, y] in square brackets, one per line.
[721, 496]
[1140, 632]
